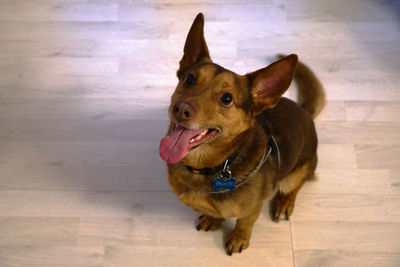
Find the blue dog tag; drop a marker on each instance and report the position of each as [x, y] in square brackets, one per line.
[220, 183]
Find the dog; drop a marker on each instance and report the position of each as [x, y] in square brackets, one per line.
[234, 141]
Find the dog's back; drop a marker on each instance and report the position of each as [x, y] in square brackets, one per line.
[293, 128]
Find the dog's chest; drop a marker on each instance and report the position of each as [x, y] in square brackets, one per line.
[204, 203]
[201, 200]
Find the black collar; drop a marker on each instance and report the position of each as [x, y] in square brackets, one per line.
[217, 169]
[213, 170]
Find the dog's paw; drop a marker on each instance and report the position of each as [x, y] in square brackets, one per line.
[282, 205]
[236, 242]
[208, 223]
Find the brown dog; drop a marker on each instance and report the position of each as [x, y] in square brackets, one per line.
[234, 142]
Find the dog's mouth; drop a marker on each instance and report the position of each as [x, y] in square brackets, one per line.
[175, 146]
[205, 136]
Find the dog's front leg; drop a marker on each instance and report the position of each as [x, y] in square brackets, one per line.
[239, 238]
[207, 222]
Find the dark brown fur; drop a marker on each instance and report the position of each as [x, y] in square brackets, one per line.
[257, 113]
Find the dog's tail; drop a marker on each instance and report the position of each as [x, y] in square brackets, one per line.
[311, 93]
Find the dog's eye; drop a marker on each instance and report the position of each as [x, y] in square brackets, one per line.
[226, 99]
[190, 80]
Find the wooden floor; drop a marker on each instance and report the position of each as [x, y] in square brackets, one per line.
[84, 88]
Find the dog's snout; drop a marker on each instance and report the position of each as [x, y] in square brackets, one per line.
[183, 111]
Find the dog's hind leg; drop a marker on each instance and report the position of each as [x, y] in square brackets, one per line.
[282, 204]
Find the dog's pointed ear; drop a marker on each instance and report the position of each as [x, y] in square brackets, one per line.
[267, 85]
[195, 50]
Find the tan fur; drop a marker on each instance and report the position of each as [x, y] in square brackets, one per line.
[256, 113]
[294, 180]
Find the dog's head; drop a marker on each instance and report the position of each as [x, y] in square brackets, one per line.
[212, 107]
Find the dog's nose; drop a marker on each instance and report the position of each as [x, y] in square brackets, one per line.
[183, 111]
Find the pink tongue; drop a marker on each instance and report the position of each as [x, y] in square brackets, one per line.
[174, 146]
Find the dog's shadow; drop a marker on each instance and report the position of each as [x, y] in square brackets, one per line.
[126, 167]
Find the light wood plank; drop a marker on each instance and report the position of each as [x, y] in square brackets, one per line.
[363, 87]
[66, 176]
[374, 133]
[367, 154]
[82, 166]
[69, 66]
[348, 181]
[333, 111]
[84, 109]
[336, 156]
[53, 255]
[38, 232]
[82, 30]
[372, 111]
[313, 10]
[84, 87]
[347, 207]
[95, 130]
[91, 204]
[57, 11]
[333, 258]
[367, 237]
[80, 153]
